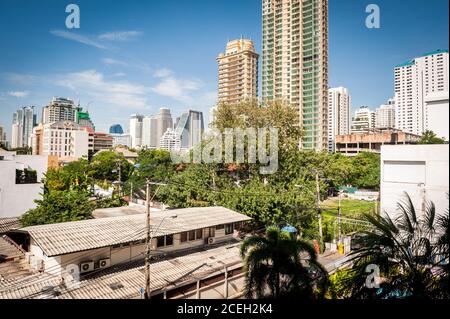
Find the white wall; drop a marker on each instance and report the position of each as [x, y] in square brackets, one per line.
[437, 116]
[420, 170]
[16, 199]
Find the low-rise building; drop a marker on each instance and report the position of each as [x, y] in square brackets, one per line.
[422, 171]
[102, 141]
[20, 182]
[90, 245]
[372, 141]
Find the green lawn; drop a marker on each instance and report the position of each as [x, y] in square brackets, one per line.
[349, 207]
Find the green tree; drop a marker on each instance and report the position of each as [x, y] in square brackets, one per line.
[282, 265]
[59, 206]
[105, 166]
[430, 138]
[408, 251]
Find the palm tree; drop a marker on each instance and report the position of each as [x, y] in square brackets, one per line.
[408, 250]
[279, 265]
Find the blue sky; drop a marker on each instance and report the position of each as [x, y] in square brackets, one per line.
[137, 56]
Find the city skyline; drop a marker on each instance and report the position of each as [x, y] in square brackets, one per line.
[112, 68]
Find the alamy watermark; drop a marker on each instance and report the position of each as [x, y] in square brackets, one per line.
[373, 279]
[229, 146]
[373, 20]
[73, 19]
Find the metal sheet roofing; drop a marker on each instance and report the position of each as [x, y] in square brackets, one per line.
[126, 283]
[69, 237]
[7, 224]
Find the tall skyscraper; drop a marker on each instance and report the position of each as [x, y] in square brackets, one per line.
[136, 130]
[295, 62]
[24, 120]
[416, 82]
[363, 121]
[385, 115]
[3, 142]
[59, 109]
[238, 72]
[153, 127]
[339, 106]
[190, 128]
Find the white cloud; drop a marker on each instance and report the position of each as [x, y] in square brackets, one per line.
[178, 89]
[162, 73]
[93, 84]
[77, 38]
[110, 61]
[18, 93]
[18, 78]
[119, 35]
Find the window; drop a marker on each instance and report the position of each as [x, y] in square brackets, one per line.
[220, 227]
[199, 233]
[228, 229]
[160, 242]
[183, 237]
[192, 235]
[169, 240]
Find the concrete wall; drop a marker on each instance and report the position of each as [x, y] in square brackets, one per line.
[420, 170]
[16, 199]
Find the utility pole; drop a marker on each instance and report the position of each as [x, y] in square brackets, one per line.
[319, 214]
[120, 178]
[148, 243]
[339, 216]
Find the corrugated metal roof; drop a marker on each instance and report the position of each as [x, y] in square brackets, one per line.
[126, 284]
[64, 238]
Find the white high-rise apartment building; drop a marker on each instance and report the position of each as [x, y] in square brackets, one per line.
[416, 82]
[339, 106]
[238, 72]
[62, 139]
[59, 109]
[295, 62]
[136, 130]
[363, 121]
[385, 115]
[170, 141]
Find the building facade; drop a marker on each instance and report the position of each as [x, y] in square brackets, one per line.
[170, 141]
[385, 115]
[62, 139]
[116, 129]
[59, 109]
[238, 72]
[17, 197]
[190, 128]
[102, 141]
[84, 119]
[121, 140]
[24, 120]
[437, 105]
[339, 106]
[421, 171]
[153, 127]
[416, 81]
[295, 62]
[372, 141]
[136, 130]
[363, 121]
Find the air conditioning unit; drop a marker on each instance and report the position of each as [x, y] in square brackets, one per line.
[211, 240]
[86, 266]
[104, 263]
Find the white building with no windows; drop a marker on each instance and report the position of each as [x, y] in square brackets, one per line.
[420, 170]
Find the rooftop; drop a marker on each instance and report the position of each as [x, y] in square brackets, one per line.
[70, 237]
[124, 281]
